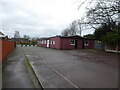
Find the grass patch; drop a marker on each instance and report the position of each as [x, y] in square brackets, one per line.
[97, 50]
[31, 68]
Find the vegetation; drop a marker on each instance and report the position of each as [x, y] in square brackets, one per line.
[89, 36]
[105, 15]
[71, 30]
[111, 38]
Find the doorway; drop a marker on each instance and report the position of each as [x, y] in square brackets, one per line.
[83, 44]
[76, 44]
[48, 43]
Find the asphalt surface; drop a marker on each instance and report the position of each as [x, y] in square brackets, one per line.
[81, 68]
[16, 72]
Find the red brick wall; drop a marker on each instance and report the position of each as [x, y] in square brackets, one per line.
[42, 45]
[79, 44]
[66, 43]
[6, 47]
[57, 44]
[90, 45]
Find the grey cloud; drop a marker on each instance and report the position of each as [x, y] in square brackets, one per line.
[35, 24]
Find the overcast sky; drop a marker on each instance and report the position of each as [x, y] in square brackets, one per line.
[38, 18]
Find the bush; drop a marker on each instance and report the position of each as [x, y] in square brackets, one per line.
[111, 38]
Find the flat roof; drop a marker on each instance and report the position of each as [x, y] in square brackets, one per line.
[73, 37]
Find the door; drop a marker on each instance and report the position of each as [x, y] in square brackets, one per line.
[83, 44]
[76, 44]
[48, 43]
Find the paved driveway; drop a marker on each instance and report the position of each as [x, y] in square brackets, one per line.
[84, 68]
[16, 73]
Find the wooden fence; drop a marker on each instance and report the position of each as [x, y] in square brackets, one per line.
[5, 48]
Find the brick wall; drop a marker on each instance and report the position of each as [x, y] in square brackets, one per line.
[90, 45]
[5, 48]
[57, 41]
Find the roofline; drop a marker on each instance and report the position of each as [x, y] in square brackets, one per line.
[1, 33]
[73, 37]
[2, 36]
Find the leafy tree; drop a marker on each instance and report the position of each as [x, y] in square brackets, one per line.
[111, 38]
[89, 36]
[102, 30]
[105, 15]
[34, 41]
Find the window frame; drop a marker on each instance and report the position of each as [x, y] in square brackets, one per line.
[86, 44]
[72, 43]
[51, 42]
[54, 42]
[44, 41]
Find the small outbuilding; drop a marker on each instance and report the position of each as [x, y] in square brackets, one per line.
[68, 42]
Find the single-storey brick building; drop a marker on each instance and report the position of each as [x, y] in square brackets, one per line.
[68, 42]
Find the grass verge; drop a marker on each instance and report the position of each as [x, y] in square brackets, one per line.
[31, 68]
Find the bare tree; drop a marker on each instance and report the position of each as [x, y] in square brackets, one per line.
[17, 34]
[104, 12]
[65, 32]
[71, 30]
[26, 38]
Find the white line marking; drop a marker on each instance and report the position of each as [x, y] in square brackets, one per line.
[60, 74]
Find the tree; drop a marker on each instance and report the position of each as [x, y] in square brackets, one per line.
[103, 29]
[65, 32]
[17, 34]
[34, 41]
[104, 12]
[71, 30]
[105, 15]
[89, 36]
[111, 38]
[26, 38]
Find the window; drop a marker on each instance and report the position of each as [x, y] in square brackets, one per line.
[72, 42]
[44, 41]
[86, 43]
[40, 42]
[99, 41]
[53, 42]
